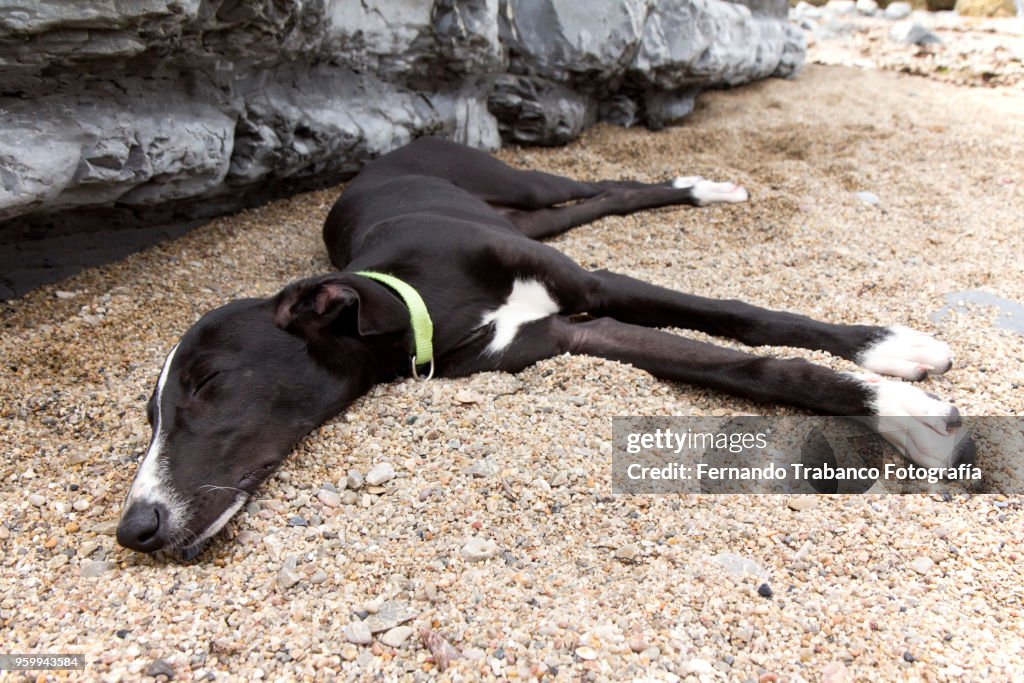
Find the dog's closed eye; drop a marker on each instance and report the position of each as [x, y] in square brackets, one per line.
[203, 382]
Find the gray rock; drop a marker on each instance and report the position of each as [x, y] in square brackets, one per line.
[396, 636]
[738, 565]
[358, 633]
[288, 576]
[192, 108]
[912, 33]
[898, 10]
[331, 499]
[867, 7]
[159, 667]
[90, 569]
[841, 6]
[390, 614]
[354, 480]
[381, 472]
[922, 565]
[478, 549]
[481, 469]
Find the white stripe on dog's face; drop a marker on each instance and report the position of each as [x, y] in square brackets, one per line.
[151, 481]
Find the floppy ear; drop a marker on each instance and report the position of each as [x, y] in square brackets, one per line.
[333, 300]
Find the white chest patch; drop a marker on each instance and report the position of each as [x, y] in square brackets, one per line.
[528, 301]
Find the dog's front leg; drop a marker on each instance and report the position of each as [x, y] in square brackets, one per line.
[921, 427]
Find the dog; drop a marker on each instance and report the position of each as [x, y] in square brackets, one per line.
[444, 227]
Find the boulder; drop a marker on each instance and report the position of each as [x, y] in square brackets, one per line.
[986, 8]
[162, 111]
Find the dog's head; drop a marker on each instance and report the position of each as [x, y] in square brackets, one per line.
[246, 382]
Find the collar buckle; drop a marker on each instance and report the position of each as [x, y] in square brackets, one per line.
[416, 375]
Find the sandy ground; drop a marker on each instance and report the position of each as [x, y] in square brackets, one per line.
[584, 585]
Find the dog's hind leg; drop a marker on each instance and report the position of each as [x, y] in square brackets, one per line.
[480, 174]
[621, 198]
[922, 427]
[895, 350]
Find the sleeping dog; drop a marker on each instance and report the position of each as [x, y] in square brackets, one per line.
[441, 273]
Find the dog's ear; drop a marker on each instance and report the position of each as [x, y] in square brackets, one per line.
[346, 303]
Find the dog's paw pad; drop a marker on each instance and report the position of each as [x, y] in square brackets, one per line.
[903, 352]
[709, 192]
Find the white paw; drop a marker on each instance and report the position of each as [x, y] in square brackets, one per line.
[922, 428]
[709, 192]
[906, 353]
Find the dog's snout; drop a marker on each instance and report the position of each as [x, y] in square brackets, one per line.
[143, 527]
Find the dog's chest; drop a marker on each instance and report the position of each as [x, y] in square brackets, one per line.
[529, 300]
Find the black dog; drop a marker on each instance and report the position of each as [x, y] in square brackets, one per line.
[254, 376]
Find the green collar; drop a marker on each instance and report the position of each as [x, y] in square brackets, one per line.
[419, 317]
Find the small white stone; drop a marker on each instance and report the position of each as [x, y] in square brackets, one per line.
[81, 505]
[331, 499]
[898, 10]
[91, 569]
[380, 473]
[37, 500]
[358, 633]
[478, 549]
[586, 652]
[800, 503]
[287, 577]
[396, 636]
[922, 565]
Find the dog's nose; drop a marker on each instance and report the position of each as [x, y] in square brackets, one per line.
[142, 527]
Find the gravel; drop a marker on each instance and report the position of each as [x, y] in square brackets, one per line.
[947, 162]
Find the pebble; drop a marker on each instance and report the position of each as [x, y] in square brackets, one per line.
[922, 565]
[37, 500]
[738, 565]
[391, 614]
[358, 633]
[867, 7]
[801, 503]
[898, 10]
[841, 6]
[331, 499]
[354, 480]
[108, 528]
[474, 654]
[396, 636]
[869, 198]
[481, 469]
[380, 473]
[836, 672]
[349, 498]
[80, 505]
[911, 33]
[92, 568]
[637, 644]
[764, 590]
[478, 549]
[159, 667]
[627, 553]
[297, 520]
[287, 577]
[318, 577]
[586, 652]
